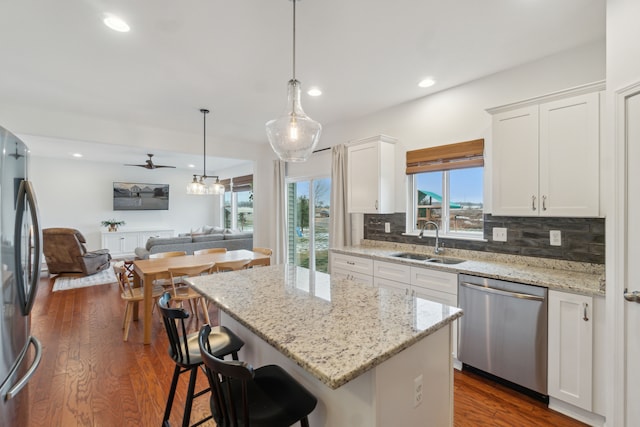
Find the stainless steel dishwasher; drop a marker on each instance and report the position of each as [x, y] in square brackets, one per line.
[504, 330]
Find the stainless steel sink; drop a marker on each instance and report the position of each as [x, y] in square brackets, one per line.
[427, 258]
[443, 260]
[409, 255]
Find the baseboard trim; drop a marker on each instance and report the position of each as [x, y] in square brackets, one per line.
[576, 413]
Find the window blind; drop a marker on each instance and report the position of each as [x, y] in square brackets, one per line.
[461, 155]
[242, 183]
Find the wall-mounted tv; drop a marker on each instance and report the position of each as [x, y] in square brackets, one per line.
[134, 196]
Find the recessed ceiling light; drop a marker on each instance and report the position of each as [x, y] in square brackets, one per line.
[77, 155]
[314, 91]
[115, 23]
[428, 82]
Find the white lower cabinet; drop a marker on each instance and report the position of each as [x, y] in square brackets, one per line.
[124, 243]
[424, 283]
[576, 356]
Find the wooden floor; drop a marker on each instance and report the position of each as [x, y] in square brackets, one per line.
[90, 377]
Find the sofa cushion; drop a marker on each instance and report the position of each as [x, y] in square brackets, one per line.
[166, 241]
[208, 238]
[239, 235]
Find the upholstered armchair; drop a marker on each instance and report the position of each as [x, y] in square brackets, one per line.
[65, 252]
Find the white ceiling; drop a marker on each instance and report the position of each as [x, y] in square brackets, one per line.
[234, 57]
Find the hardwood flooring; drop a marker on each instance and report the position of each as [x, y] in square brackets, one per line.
[90, 377]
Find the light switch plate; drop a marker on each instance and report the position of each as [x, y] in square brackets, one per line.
[499, 234]
[387, 227]
[555, 238]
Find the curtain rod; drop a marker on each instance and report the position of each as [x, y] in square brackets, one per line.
[322, 149]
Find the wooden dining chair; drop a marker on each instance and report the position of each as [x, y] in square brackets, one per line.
[131, 295]
[165, 279]
[242, 395]
[187, 293]
[261, 261]
[239, 264]
[210, 251]
[184, 350]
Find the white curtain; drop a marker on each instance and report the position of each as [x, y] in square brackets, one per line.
[280, 200]
[339, 218]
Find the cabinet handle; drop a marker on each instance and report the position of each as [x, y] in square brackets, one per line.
[351, 263]
[533, 203]
[585, 317]
[544, 203]
[376, 205]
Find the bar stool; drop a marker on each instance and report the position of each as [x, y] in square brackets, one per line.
[185, 352]
[264, 397]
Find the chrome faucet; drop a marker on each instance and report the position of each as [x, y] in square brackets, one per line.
[435, 225]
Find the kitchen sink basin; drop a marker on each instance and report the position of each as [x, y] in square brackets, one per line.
[427, 258]
[443, 260]
[409, 255]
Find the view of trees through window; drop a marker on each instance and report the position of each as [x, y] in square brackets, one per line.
[308, 222]
[238, 210]
[452, 199]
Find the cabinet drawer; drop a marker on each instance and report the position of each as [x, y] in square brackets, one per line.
[340, 273]
[435, 280]
[392, 271]
[352, 263]
[387, 283]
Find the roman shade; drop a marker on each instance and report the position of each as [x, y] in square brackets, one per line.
[242, 183]
[238, 183]
[461, 155]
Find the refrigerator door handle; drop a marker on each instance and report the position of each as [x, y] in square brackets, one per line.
[25, 192]
[32, 369]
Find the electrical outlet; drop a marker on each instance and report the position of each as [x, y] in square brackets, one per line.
[417, 390]
[387, 227]
[555, 238]
[499, 234]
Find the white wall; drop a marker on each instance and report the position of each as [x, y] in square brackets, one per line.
[79, 194]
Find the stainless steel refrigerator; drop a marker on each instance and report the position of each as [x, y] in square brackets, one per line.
[20, 254]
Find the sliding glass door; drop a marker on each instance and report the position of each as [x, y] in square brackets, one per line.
[308, 222]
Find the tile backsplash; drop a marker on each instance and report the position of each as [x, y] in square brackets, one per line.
[583, 239]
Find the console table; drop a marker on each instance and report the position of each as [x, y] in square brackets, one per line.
[122, 244]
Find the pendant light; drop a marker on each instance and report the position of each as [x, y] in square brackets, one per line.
[294, 135]
[199, 186]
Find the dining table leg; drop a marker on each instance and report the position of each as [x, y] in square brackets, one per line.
[147, 283]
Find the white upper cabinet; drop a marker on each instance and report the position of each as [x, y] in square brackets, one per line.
[546, 158]
[370, 175]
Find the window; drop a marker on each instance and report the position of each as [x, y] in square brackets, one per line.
[446, 187]
[238, 203]
[308, 223]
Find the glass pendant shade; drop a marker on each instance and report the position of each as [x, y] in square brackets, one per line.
[294, 135]
[200, 187]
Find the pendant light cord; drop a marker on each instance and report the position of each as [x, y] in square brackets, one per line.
[294, 39]
[204, 141]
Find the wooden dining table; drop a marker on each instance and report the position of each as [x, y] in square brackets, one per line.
[148, 270]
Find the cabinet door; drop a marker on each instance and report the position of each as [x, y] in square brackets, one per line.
[447, 299]
[569, 156]
[392, 271]
[570, 348]
[340, 273]
[363, 183]
[440, 281]
[114, 242]
[381, 282]
[515, 162]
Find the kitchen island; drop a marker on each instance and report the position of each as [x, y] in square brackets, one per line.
[372, 357]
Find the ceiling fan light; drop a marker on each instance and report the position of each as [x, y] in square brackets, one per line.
[294, 135]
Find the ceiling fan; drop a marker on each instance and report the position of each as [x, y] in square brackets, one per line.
[150, 165]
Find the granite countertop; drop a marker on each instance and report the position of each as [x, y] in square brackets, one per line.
[335, 329]
[582, 278]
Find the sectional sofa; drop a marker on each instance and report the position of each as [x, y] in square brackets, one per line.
[208, 237]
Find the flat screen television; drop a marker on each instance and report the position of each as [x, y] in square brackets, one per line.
[134, 196]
